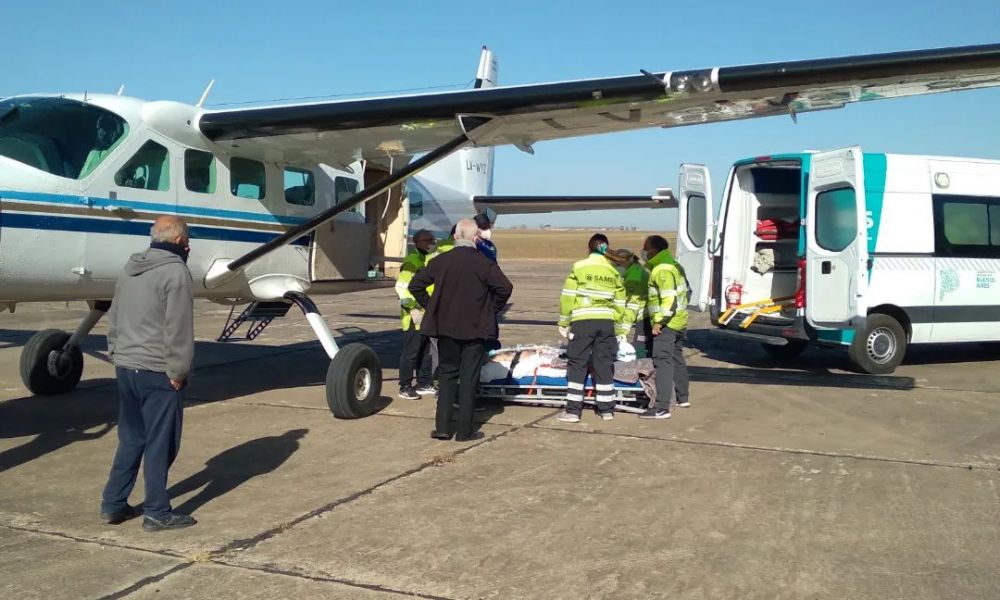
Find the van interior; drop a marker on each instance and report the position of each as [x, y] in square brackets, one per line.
[761, 232]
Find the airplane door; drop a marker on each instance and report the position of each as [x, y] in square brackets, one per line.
[836, 240]
[694, 231]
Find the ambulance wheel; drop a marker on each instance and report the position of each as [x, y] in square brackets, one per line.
[787, 352]
[880, 350]
[46, 369]
[354, 382]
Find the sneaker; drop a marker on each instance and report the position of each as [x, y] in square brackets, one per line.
[408, 394]
[476, 435]
[606, 416]
[171, 521]
[427, 390]
[683, 404]
[655, 413]
[475, 407]
[120, 516]
[568, 417]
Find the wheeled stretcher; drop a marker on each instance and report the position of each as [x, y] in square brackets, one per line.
[551, 391]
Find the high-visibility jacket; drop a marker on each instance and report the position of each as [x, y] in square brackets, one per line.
[445, 246]
[636, 288]
[668, 292]
[413, 262]
[594, 290]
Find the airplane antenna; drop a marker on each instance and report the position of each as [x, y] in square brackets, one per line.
[121, 90]
[204, 95]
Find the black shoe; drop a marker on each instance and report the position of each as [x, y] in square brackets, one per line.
[120, 516]
[171, 521]
[408, 393]
[655, 413]
[478, 435]
[440, 435]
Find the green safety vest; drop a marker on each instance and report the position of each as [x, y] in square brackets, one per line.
[594, 290]
[636, 288]
[668, 292]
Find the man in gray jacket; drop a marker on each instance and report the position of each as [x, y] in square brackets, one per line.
[151, 343]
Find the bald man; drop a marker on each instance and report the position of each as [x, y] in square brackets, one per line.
[151, 344]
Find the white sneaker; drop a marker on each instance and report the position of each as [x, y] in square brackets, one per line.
[683, 404]
[568, 417]
[606, 416]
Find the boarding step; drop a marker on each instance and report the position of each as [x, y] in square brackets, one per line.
[258, 314]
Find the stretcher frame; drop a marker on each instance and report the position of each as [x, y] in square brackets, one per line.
[631, 399]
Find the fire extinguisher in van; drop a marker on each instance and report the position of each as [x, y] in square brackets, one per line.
[734, 294]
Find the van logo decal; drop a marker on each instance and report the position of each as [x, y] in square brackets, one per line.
[985, 281]
[949, 282]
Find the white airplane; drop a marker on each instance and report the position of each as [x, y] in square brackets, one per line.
[274, 194]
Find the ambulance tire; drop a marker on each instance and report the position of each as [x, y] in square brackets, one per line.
[47, 370]
[786, 352]
[354, 382]
[882, 347]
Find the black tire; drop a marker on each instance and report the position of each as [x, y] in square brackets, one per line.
[35, 372]
[882, 347]
[787, 352]
[354, 382]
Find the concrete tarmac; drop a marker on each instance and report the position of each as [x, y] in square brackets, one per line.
[800, 480]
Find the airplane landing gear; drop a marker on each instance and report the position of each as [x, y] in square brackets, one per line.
[354, 377]
[51, 362]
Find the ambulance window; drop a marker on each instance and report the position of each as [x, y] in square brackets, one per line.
[247, 178]
[199, 171]
[836, 219]
[696, 216]
[300, 187]
[148, 169]
[967, 224]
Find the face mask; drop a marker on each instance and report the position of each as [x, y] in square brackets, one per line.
[432, 248]
[181, 251]
[602, 248]
[645, 255]
[485, 234]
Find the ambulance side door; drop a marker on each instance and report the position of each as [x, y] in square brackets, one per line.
[694, 231]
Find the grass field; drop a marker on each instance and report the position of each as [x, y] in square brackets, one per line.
[545, 244]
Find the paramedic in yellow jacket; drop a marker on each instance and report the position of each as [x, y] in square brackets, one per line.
[668, 317]
[634, 321]
[590, 312]
[415, 354]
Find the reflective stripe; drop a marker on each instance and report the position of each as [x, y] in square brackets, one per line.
[668, 293]
[595, 294]
[605, 387]
[574, 397]
[566, 292]
[574, 385]
[594, 311]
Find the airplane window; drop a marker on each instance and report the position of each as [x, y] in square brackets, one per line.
[148, 169]
[300, 187]
[59, 136]
[344, 188]
[199, 171]
[247, 178]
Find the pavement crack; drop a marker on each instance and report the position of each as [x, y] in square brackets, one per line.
[138, 585]
[752, 447]
[96, 542]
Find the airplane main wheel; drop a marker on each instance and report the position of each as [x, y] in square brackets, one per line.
[354, 382]
[46, 369]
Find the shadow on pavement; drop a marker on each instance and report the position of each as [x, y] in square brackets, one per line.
[232, 468]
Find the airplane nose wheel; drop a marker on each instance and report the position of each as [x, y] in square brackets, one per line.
[354, 382]
[47, 369]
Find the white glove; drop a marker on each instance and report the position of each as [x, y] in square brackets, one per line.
[622, 339]
[564, 331]
[418, 316]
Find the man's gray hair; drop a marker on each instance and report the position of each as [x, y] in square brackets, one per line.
[168, 228]
[466, 230]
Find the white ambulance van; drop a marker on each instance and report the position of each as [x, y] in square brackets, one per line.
[869, 251]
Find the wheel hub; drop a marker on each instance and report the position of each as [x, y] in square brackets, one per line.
[59, 364]
[881, 345]
[362, 384]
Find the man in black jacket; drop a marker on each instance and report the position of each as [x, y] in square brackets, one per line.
[469, 291]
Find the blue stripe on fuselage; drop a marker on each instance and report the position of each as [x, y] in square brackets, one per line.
[178, 209]
[16, 220]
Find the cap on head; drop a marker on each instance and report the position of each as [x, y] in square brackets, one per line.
[482, 221]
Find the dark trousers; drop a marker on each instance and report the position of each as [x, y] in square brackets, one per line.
[671, 370]
[416, 354]
[150, 417]
[592, 346]
[461, 361]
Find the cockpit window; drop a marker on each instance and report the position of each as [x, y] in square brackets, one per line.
[64, 137]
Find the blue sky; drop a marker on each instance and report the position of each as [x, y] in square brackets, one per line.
[267, 50]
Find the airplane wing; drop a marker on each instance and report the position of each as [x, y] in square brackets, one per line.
[520, 205]
[340, 132]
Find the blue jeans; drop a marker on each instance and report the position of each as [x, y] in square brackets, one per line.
[150, 417]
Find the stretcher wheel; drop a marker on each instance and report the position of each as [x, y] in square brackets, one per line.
[354, 382]
[46, 369]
